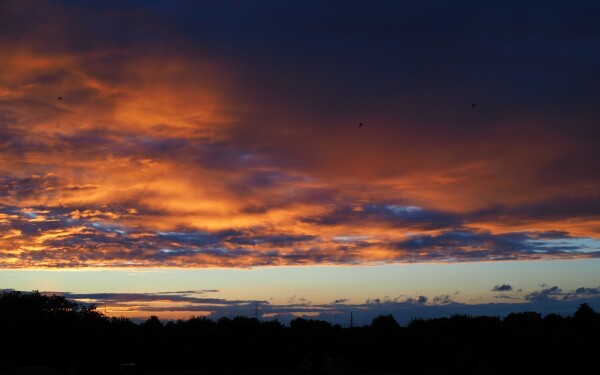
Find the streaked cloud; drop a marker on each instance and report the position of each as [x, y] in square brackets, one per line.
[340, 300]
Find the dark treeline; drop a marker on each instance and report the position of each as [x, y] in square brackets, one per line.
[74, 338]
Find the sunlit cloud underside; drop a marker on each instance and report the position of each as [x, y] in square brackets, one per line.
[179, 145]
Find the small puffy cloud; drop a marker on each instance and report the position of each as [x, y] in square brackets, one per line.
[419, 299]
[298, 301]
[502, 288]
[442, 299]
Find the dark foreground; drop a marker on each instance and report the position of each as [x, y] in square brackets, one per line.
[50, 335]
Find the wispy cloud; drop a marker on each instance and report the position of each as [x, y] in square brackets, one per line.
[340, 300]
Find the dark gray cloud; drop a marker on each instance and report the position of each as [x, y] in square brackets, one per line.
[282, 240]
[120, 298]
[502, 288]
[557, 208]
[341, 300]
[193, 238]
[34, 187]
[592, 291]
[442, 299]
[464, 244]
[544, 294]
[203, 291]
[296, 301]
[390, 214]
[420, 299]
[555, 293]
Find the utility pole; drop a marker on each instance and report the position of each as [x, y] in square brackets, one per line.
[351, 320]
[256, 310]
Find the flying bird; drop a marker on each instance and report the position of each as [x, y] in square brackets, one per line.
[360, 125]
[473, 106]
[59, 98]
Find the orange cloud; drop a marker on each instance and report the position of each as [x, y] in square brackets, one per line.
[177, 152]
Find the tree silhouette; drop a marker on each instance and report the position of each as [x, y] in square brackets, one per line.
[38, 329]
[585, 316]
[385, 323]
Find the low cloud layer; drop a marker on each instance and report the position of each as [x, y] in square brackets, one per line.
[184, 304]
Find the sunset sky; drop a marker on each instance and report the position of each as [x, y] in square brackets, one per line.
[206, 157]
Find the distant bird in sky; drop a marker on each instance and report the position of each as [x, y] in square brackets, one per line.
[59, 98]
[473, 105]
[360, 125]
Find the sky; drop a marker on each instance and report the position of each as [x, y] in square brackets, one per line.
[205, 158]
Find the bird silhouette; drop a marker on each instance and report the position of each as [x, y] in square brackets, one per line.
[473, 106]
[360, 125]
[59, 98]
